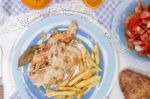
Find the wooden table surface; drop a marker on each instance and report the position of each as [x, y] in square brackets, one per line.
[1, 92]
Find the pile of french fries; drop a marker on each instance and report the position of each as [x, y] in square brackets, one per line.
[86, 78]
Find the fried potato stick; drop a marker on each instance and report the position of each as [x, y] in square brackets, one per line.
[67, 89]
[92, 63]
[81, 66]
[60, 97]
[85, 83]
[79, 77]
[80, 95]
[93, 84]
[70, 97]
[91, 73]
[60, 93]
[66, 81]
[96, 54]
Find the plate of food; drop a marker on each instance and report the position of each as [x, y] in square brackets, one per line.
[62, 57]
[130, 30]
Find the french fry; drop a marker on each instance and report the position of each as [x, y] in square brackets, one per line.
[87, 63]
[83, 53]
[60, 93]
[60, 97]
[85, 83]
[96, 54]
[67, 89]
[83, 57]
[78, 78]
[84, 89]
[80, 95]
[70, 97]
[66, 81]
[91, 73]
[84, 65]
[93, 84]
[81, 67]
[48, 90]
[87, 54]
[92, 63]
[92, 56]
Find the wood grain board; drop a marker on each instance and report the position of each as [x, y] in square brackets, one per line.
[1, 92]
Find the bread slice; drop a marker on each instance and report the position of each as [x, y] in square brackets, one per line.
[134, 85]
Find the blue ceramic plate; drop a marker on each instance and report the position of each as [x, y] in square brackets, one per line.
[122, 11]
[89, 31]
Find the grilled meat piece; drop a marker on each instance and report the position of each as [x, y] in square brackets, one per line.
[27, 56]
[134, 85]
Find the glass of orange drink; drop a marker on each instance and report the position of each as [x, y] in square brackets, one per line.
[93, 3]
[36, 4]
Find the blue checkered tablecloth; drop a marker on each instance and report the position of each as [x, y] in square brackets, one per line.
[104, 13]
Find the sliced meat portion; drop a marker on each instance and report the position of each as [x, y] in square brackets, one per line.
[27, 56]
[47, 75]
[64, 56]
[66, 36]
[134, 85]
[50, 65]
[40, 59]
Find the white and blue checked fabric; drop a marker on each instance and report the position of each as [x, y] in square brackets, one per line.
[104, 13]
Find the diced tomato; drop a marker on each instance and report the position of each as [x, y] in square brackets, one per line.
[136, 36]
[138, 42]
[134, 22]
[145, 21]
[148, 31]
[144, 37]
[141, 31]
[130, 43]
[147, 47]
[145, 14]
[148, 37]
[139, 7]
[129, 34]
[148, 7]
[127, 20]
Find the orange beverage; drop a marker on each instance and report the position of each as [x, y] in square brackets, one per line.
[36, 4]
[93, 3]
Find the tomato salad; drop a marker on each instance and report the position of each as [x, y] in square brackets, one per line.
[137, 31]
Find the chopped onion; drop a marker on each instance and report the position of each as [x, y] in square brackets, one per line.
[148, 25]
[138, 48]
[138, 29]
